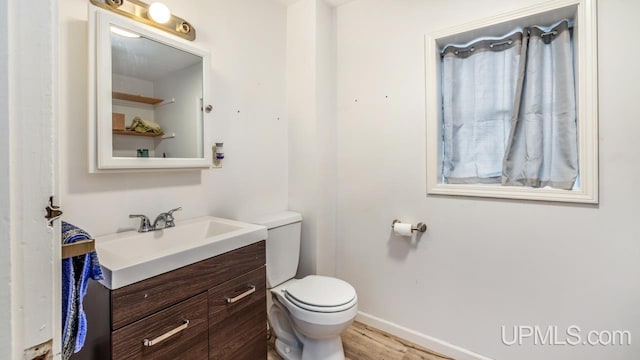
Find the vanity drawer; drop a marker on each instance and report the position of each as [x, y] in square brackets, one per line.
[143, 298]
[179, 332]
[237, 314]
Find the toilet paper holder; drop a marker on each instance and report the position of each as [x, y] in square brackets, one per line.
[419, 226]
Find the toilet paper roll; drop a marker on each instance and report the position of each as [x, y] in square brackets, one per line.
[402, 229]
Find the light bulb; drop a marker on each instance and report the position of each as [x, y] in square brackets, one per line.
[159, 13]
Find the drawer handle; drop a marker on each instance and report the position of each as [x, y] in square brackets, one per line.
[243, 295]
[165, 336]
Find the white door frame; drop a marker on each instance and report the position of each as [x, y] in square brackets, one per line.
[28, 176]
[5, 249]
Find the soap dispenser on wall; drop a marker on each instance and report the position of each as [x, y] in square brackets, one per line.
[218, 154]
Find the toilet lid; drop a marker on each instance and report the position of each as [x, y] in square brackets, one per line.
[321, 291]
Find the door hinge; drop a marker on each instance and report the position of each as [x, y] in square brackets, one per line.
[53, 212]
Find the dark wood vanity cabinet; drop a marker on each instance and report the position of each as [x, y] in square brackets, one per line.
[237, 321]
[213, 309]
[189, 341]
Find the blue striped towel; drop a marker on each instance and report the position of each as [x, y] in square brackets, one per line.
[76, 272]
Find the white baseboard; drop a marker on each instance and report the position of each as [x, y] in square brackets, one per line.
[417, 338]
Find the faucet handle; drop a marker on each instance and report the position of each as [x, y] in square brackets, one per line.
[145, 224]
[169, 220]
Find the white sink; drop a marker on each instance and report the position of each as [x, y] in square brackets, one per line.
[129, 257]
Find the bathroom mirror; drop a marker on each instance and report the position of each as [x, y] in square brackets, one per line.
[147, 98]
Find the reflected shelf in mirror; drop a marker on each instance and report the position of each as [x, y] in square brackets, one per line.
[136, 98]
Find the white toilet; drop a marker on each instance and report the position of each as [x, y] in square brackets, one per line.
[307, 315]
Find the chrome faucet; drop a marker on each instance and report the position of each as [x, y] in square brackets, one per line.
[162, 221]
[165, 220]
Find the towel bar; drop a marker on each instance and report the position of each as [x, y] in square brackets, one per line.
[78, 248]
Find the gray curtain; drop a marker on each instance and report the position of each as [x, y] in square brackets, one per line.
[509, 110]
[543, 148]
[478, 88]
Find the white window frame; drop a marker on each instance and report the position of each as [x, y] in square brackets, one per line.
[585, 44]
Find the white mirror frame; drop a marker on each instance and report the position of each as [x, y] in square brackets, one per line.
[587, 99]
[100, 98]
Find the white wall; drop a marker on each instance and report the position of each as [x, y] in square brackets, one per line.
[482, 263]
[301, 110]
[327, 137]
[6, 334]
[247, 43]
[312, 146]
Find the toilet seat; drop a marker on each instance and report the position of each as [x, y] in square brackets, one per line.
[321, 294]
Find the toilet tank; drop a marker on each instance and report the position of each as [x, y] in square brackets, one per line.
[282, 245]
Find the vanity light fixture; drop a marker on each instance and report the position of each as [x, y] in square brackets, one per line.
[156, 15]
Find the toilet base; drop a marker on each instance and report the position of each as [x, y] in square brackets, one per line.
[327, 349]
[287, 352]
[292, 345]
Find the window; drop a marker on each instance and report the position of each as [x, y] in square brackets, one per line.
[513, 113]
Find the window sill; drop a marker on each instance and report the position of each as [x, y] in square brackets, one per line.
[515, 192]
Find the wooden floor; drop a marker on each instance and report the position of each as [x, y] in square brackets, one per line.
[362, 342]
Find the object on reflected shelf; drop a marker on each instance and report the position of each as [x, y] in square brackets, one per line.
[142, 152]
[117, 121]
[145, 126]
